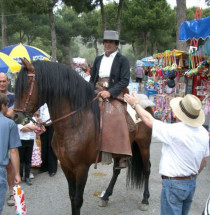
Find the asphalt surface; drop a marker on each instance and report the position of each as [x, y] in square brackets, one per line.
[49, 195]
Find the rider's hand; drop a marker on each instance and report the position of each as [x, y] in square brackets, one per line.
[104, 94]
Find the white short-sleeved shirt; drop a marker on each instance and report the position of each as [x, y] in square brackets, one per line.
[106, 65]
[30, 135]
[183, 148]
[44, 114]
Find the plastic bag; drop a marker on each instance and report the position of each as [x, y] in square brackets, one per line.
[19, 199]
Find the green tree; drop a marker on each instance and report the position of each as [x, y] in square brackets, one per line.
[91, 31]
[142, 20]
[28, 28]
[7, 7]
[41, 7]
[68, 26]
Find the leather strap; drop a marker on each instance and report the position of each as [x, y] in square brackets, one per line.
[179, 178]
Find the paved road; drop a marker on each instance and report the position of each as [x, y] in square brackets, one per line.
[49, 196]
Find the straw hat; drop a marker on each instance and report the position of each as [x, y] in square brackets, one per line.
[111, 35]
[188, 110]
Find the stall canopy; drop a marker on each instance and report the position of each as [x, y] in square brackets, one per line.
[198, 28]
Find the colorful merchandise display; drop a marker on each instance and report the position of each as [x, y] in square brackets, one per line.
[162, 110]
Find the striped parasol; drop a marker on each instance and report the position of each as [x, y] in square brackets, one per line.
[20, 50]
[7, 63]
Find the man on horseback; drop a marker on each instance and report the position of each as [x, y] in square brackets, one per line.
[110, 75]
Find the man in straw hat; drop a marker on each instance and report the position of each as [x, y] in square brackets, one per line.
[184, 152]
[110, 75]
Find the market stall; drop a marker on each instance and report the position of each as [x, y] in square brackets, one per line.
[199, 70]
[167, 81]
[199, 62]
[178, 73]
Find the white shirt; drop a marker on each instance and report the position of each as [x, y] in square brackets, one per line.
[30, 135]
[44, 114]
[183, 148]
[106, 65]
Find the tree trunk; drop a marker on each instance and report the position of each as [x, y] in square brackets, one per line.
[22, 35]
[95, 46]
[103, 16]
[3, 27]
[134, 50]
[119, 12]
[70, 54]
[145, 43]
[180, 17]
[152, 47]
[53, 34]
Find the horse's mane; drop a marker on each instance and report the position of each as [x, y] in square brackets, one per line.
[56, 81]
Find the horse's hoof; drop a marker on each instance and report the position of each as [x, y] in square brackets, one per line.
[143, 207]
[103, 203]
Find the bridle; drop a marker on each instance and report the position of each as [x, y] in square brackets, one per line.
[33, 75]
[23, 110]
[28, 115]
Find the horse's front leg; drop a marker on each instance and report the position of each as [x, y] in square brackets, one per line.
[104, 200]
[72, 192]
[77, 182]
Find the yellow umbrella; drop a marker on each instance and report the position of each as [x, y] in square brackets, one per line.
[7, 63]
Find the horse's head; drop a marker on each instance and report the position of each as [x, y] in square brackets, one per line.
[26, 92]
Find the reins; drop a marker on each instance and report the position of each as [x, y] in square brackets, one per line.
[71, 113]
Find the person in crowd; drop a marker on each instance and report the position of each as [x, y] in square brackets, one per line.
[110, 75]
[27, 136]
[4, 82]
[49, 159]
[146, 74]
[139, 74]
[184, 152]
[9, 142]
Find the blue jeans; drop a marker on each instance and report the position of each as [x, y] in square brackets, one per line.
[176, 196]
[3, 186]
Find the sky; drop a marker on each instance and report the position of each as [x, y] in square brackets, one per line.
[190, 3]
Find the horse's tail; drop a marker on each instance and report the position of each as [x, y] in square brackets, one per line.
[135, 176]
